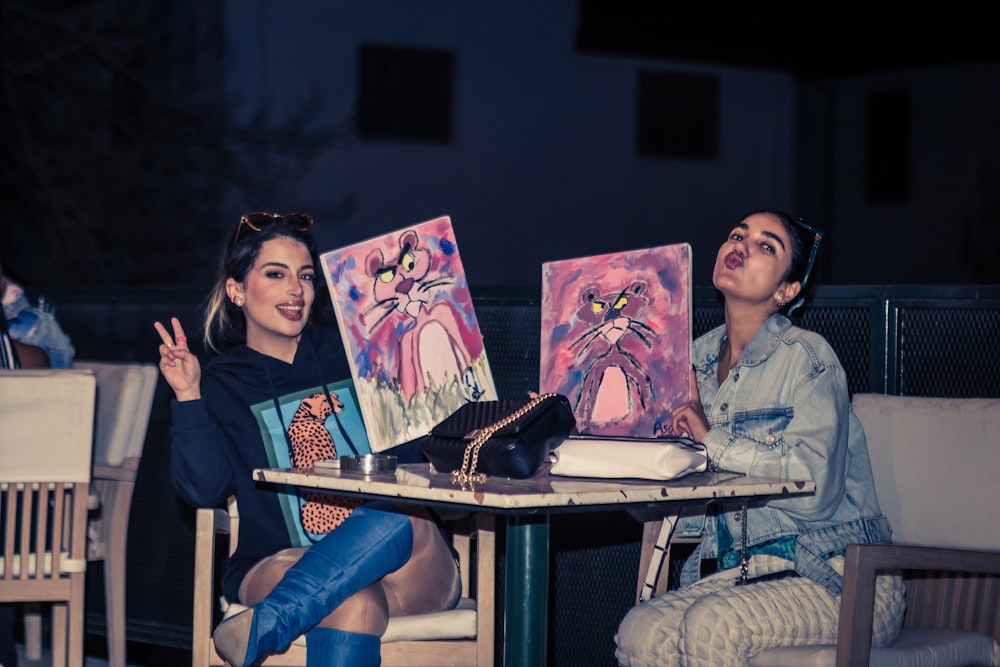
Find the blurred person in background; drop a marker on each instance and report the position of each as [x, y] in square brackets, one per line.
[32, 338]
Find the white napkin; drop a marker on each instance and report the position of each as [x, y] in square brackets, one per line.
[640, 458]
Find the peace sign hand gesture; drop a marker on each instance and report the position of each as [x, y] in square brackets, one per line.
[180, 368]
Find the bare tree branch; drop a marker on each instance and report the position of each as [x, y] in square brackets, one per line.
[120, 143]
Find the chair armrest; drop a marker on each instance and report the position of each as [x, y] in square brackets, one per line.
[864, 562]
[126, 472]
[209, 523]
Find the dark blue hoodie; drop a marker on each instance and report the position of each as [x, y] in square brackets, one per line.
[217, 440]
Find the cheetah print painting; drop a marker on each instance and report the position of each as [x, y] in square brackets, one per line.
[310, 441]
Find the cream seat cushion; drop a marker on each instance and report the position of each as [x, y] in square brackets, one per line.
[124, 401]
[457, 623]
[957, 462]
[914, 648]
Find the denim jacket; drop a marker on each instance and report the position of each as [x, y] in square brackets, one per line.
[784, 411]
[36, 326]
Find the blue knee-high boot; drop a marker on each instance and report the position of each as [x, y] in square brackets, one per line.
[370, 544]
[326, 647]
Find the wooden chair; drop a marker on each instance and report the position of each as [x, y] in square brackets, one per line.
[462, 637]
[47, 422]
[124, 401]
[936, 465]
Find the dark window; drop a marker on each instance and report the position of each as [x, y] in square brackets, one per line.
[678, 116]
[888, 148]
[405, 94]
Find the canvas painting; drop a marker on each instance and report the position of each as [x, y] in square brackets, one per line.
[616, 338]
[310, 424]
[406, 316]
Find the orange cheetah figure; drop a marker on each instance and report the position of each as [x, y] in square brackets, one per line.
[310, 441]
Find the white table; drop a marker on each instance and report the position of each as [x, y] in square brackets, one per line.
[526, 506]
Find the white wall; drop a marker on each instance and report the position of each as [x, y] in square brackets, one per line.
[543, 163]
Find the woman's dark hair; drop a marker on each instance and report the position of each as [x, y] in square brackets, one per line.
[225, 324]
[805, 240]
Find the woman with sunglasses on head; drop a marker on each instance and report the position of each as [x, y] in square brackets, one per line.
[769, 399]
[379, 561]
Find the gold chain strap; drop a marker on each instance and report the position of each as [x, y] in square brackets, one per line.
[470, 459]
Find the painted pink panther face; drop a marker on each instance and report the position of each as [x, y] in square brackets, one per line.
[432, 338]
[615, 385]
[612, 314]
[397, 282]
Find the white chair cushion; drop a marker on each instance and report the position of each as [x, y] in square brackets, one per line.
[124, 400]
[457, 623]
[964, 464]
[69, 565]
[914, 648]
[47, 421]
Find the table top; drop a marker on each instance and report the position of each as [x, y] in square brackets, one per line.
[418, 483]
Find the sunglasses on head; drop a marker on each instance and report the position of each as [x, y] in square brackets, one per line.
[300, 222]
[817, 237]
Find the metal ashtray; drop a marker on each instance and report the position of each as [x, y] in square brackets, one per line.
[369, 464]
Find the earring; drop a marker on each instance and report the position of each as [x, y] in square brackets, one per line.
[781, 304]
[238, 302]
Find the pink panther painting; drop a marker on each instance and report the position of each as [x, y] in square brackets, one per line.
[616, 338]
[408, 324]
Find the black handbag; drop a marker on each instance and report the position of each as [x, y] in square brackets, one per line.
[507, 438]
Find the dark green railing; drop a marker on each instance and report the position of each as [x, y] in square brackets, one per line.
[911, 340]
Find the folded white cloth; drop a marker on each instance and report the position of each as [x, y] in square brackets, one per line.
[640, 458]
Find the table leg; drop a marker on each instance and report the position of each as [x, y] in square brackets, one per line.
[526, 615]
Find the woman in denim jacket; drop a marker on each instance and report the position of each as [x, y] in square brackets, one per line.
[770, 400]
[35, 326]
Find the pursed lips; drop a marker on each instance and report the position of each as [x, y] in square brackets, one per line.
[733, 260]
